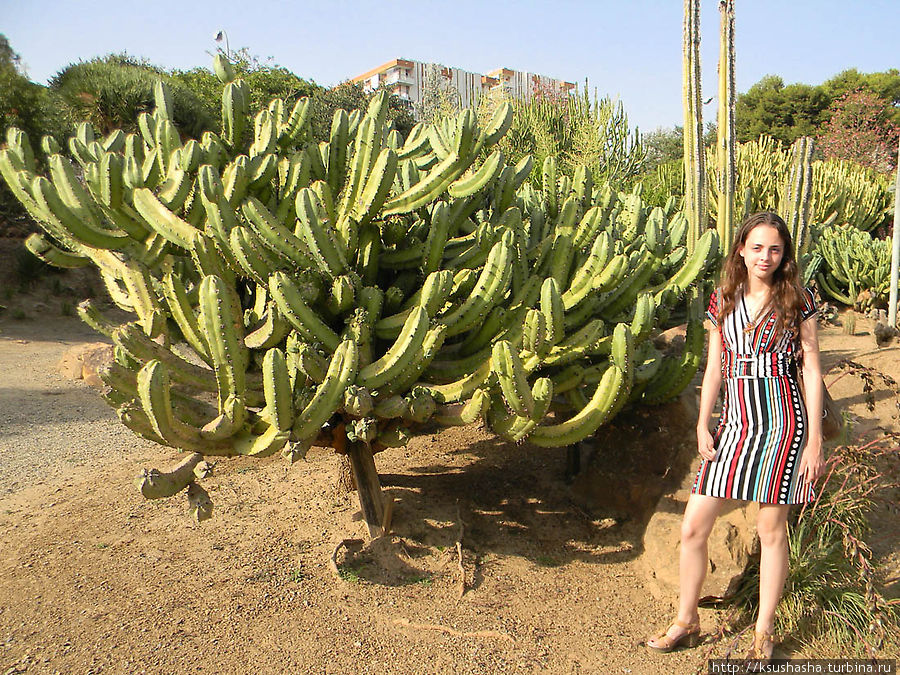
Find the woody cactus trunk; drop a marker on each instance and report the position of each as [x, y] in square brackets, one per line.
[286, 293]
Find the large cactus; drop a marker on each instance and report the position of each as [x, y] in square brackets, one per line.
[287, 294]
[857, 267]
[725, 150]
[695, 196]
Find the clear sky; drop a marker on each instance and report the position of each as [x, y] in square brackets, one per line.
[629, 49]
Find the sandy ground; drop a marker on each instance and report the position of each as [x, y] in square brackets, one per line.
[95, 579]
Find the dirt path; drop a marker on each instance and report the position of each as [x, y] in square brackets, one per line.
[95, 579]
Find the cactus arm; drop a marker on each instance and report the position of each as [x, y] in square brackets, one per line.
[553, 310]
[430, 186]
[89, 313]
[437, 238]
[480, 337]
[155, 484]
[53, 255]
[376, 190]
[342, 370]
[701, 257]
[146, 304]
[74, 195]
[271, 332]
[674, 375]
[589, 419]
[319, 238]
[292, 130]
[460, 389]
[498, 125]
[491, 285]
[153, 388]
[618, 300]
[461, 414]
[478, 180]
[57, 212]
[274, 235]
[228, 422]
[162, 220]
[277, 390]
[401, 354]
[507, 366]
[516, 428]
[431, 345]
[432, 297]
[291, 305]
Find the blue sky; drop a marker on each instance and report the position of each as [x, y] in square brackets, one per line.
[626, 49]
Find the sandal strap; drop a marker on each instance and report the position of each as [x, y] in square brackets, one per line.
[686, 626]
[762, 638]
[663, 640]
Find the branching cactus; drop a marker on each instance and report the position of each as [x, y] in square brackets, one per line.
[857, 267]
[286, 293]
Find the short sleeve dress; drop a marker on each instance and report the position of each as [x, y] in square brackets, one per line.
[762, 427]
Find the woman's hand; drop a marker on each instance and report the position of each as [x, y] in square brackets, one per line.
[812, 463]
[705, 444]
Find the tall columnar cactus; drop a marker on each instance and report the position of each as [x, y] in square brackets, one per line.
[895, 249]
[286, 293]
[725, 151]
[694, 155]
[797, 194]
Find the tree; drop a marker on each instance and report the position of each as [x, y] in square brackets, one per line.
[667, 144]
[783, 112]
[266, 81]
[885, 85]
[787, 112]
[860, 129]
[25, 105]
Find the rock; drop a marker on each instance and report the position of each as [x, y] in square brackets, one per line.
[84, 361]
[671, 341]
[732, 544]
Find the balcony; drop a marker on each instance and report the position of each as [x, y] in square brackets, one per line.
[397, 77]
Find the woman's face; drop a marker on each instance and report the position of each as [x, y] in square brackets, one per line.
[762, 251]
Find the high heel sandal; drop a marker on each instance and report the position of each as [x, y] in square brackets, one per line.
[665, 644]
[763, 648]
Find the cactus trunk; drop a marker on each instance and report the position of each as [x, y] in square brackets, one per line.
[694, 154]
[725, 151]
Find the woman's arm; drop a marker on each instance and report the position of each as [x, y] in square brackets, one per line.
[712, 381]
[812, 463]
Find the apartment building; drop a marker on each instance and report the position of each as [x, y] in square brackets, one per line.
[407, 79]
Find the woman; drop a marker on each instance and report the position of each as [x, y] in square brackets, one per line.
[766, 448]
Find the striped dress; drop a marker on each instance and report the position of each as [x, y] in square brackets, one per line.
[762, 427]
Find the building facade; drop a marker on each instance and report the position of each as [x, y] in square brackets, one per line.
[409, 80]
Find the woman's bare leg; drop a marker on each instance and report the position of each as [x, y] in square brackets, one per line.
[699, 517]
[771, 524]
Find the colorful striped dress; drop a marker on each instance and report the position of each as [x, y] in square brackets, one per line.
[762, 427]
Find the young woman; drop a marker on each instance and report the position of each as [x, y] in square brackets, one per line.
[766, 448]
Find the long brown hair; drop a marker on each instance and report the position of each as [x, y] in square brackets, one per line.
[787, 293]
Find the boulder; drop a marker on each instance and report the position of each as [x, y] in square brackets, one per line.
[84, 361]
[732, 545]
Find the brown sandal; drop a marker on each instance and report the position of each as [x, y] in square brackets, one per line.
[763, 647]
[665, 644]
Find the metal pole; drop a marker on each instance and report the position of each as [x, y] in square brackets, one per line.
[895, 253]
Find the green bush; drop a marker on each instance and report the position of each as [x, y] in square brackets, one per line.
[29, 107]
[110, 92]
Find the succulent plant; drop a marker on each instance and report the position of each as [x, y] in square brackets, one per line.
[286, 293]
